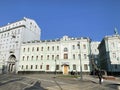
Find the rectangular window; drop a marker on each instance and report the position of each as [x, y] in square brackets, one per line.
[57, 47]
[37, 48]
[47, 67]
[26, 66]
[52, 48]
[36, 66]
[41, 57]
[74, 56]
[40, 66]
[74, 67]
[85, 56]
[28, 49]
[84, 46]
[47, 57]
[36, 57]
[52, 57]
[22, 66]
[65, 56]
[73, 47]
[32, 57]
[57, 67]
[57, 57]
[41, 48]
[27, 58]
[23, 58]
[85, 67]
[31, 66]
[24, 50]
[32, 49]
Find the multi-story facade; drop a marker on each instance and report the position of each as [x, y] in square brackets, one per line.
[109, 50]
[11, 37]
[62, 55]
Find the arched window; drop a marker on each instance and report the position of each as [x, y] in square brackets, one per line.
[65, 49]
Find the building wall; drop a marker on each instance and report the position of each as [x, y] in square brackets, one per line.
[53, 54]
[110, 53]
[11, 37]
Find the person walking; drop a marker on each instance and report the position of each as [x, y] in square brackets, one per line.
[100, 76]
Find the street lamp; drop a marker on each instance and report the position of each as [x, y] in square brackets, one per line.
[80, 60]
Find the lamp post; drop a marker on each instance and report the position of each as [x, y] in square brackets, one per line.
[80, 60]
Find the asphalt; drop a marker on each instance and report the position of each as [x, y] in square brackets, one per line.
[55, 82]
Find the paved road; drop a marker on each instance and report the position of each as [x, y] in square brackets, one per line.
[50, 82]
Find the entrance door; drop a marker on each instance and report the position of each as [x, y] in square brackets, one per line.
[65, 70]
[11, 64]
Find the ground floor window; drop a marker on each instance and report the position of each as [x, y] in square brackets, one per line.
[85, 67]
[57, 67]
[74, 67]
[47, 67]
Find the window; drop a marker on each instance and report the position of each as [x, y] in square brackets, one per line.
[114, 55]
[41, 57]
[47, 67]
[52, 48]
[26, 66]
[37, 48]
[74, 67]
[65, 49]
[36, 66]
[28, 49]
[57, 57]
[57, 47]
[41, 48]
[57, 67]
[85, 56]
[40, 66]
[31, 66]
[27, 57]
[85, 67]
[23, 49]
[22, 67]
[84, 46]
[65, 56]
[73, 47]
[48, 48]
[32, 49]
[52, 57]
[79, 56]
[32, 57]
[47, 57]
[78, 46]
[73, 56]
[36, 57]
[23, 58]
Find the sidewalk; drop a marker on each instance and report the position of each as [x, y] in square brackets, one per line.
[88, 83]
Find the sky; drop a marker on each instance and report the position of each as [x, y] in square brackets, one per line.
[56, 18]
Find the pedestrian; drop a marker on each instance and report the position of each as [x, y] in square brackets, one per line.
[100, 77]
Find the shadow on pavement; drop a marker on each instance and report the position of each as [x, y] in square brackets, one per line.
[60, 88]
[36, 86]
[114, 86]
[10, 81]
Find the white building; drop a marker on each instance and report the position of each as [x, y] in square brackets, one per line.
[60, 55]
[95, 51]
[109, 50]
[11, 37]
